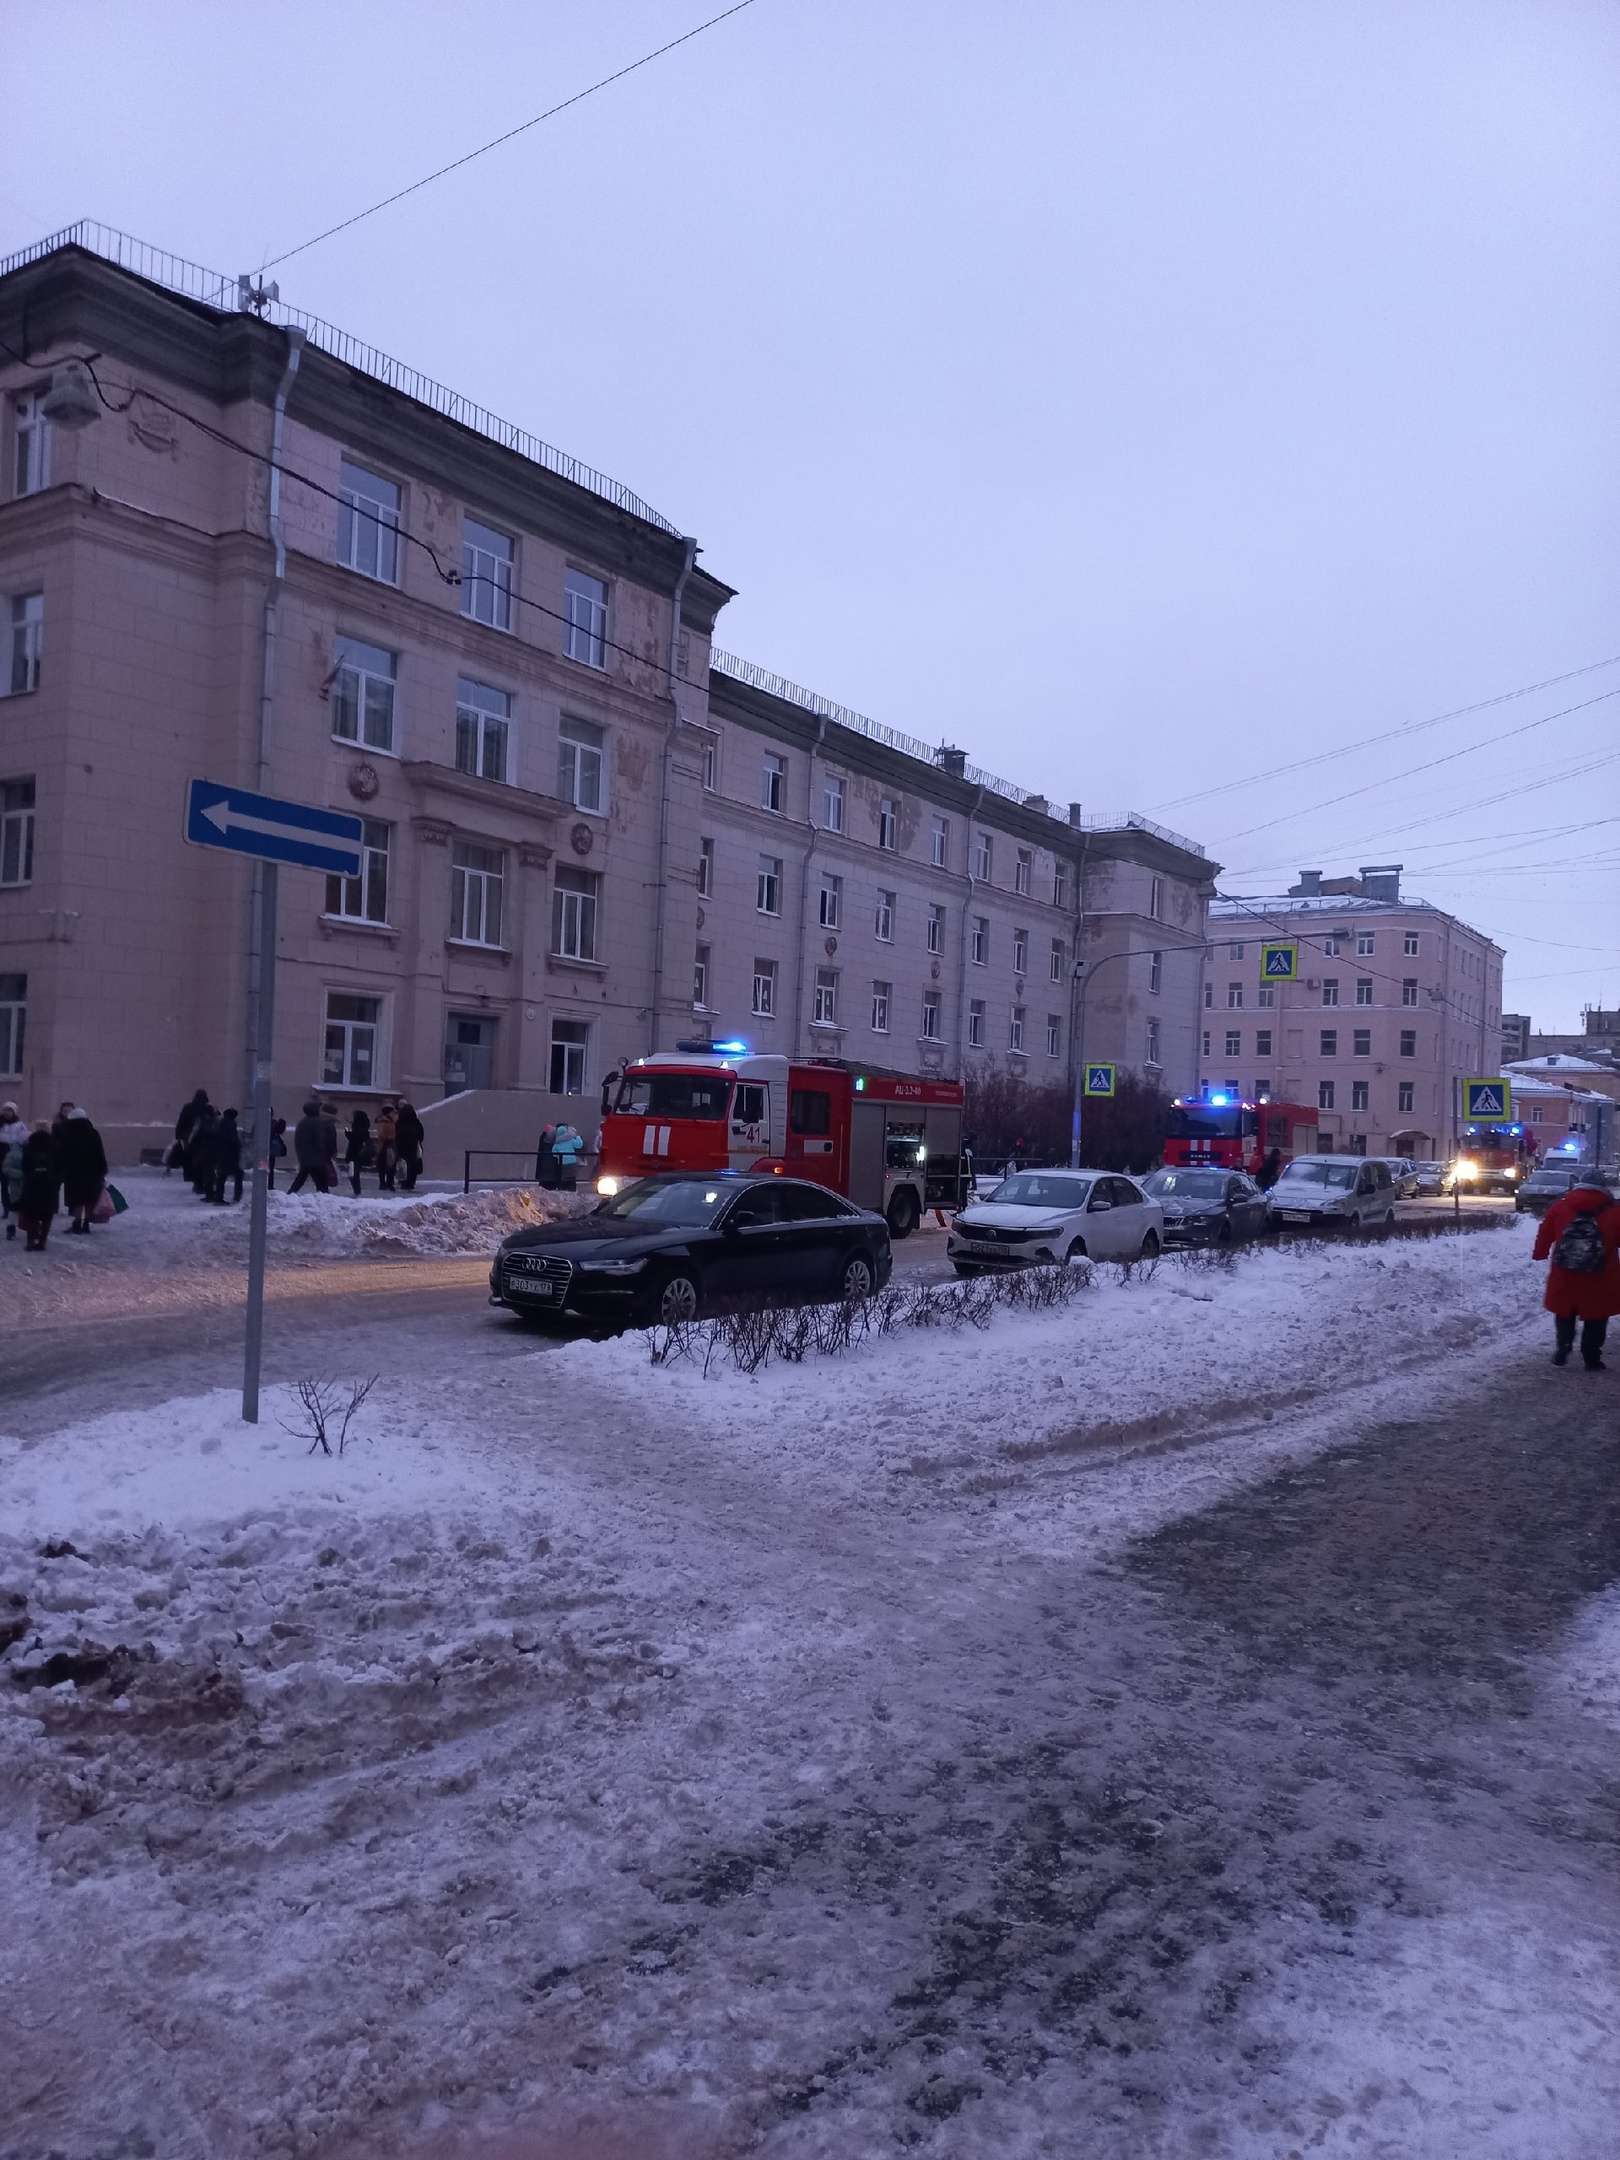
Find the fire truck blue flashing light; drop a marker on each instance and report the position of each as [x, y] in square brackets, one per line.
[737, 1048]
[1219, 1101]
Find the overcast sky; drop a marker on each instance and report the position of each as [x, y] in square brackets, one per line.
[1145, 397]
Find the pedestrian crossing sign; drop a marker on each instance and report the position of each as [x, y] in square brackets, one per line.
[1491, 1099]
[1099, 1079]
[1279, 963]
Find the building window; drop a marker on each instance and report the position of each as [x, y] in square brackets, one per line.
[1411, 947]
[930, 1016]
[940, 843]
[705, 870]
[585, 618]
[1358, 1094]
[1406, 1095]
[1364, 944]
[976, 1024]
[27, 642]
[1364, 994]
[483, 726]
[1156, 899]
[832, 900]
[1234, 996]
[1262, 1091]
[1330, 989]
[700, 980]
[1209, 995]
[1324, 1094]
[1330, 945]
[1020, 952]
[477, 879]
[888, 824]
[826, 1007]
[364, 898]
[882, 992]
[1234, 1042]
[1056, 960]
[16, 832]
[936, 928]
[30, 445]
[1155, 971]
[1153, 1042]
[1206, 1042]
[569, 1042]
[1262, 1043]
[363, 694]
[469, 1052]
[983, 858]
[1024, 871]
[368, 524]
[711, 764]
[768, 891]
[832, 803]
[1266, 995]
[581, 765]
[883, 920]
[1060, 885]
[1409, 990]
[1330, 1042]
[979, 941]
[1234, 952]
[13, 1020]
[1409, 1042]
[486, 575]
[350, 1059]
[1015, 1029]
[764, 988]
[575, 898]
[1054, 1034]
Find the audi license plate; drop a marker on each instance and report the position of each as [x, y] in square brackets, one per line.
[526, 1276]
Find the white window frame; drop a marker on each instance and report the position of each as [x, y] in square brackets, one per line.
[353, 1031]
[1234, 1042]
[1364, 990]
[477, 894]
[1015, 1031]
[1024, 871]
[1327, 1042]
[364, 898]
[1262, 1042]
[1058, 960]
[764, 1006]
[1020, 952]
[940, 843]
[488, 565]
[832, 803]
[30, 445]
[883, 916]
[831, 903]
[585, 618]
[936, 927]
[1234, 997]
[773, 784]
[1152, 1057]
[931, 1009]
[888, 823]
[575, 1046]
[1409, 990]
[826, 997]
[1406, 1098]
[705, 868]
[576, 907]
[975, 1027]
[701, 960]
[1361, 1094]
[13, 1023]
[711, 765]
[984, 858]
[1330, 990]
[1156, 898]
[1361, 1042]
[17, 802]
[582, 764]
[882, 998]
[1266, 996]
[1054, 1035]
[483, 730]
[26, 658]
[1411, 946]
[1234, 952]
[979, 941]
[368, 523]
[354, 679]
[1324, 1094]
[1155, 972]
[1364, 944]
[768, 889]
[1060, 884]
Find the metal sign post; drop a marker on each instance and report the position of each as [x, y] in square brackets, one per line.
[270, 831]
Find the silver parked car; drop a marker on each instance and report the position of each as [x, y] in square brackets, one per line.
[1046, 1216]
[1347, 1193]
[1431, 1177]
[1403, 1175]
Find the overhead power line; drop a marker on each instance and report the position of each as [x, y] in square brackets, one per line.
[495, 143]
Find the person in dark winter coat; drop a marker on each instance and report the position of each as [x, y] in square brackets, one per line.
[184, 1126]
[309, 1146]
[225, 1159]
[357, 1150]
[41, 1180]
[547, 1169]
[198, 1158]
[277, 1151]
[81, 1161]
[410, 1136]
[1583, 1225]
[1270, 1170]
[329, 1143]
[13, 1139]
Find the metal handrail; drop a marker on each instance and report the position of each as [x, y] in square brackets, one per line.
[218, 291]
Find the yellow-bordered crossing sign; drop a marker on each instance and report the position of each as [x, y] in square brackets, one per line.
[1099, 1079]
[1279, 963]
[1492, 1099]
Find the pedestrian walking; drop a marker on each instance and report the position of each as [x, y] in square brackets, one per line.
[357, 1148]
[81, 1162]
[277, 1150]
[198, 1157]
[225, 1159]
[547, 1169]
[41, 1181]
[410, 1136]
[329, 1145]
[385, 1137]
[1270, 1170]
[309, 1149]
[1580, 1235]
[184, 1126]
[567, 1146]
[13, 1139]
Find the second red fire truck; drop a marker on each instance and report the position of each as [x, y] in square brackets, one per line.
[1230, 1134]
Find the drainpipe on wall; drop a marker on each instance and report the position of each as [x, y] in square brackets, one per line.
[961, 946]
[258, 958]
[799, 1022]
[687, 560]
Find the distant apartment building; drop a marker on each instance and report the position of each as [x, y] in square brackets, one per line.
[1394, 1005]
[586, 831]
[1515, 1037]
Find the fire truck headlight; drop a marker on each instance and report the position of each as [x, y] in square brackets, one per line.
[1465, 1172]
[608, 1186]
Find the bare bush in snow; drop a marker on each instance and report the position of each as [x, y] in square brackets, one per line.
[322, 1407]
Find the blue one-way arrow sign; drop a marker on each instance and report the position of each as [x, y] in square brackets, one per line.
[276, 831]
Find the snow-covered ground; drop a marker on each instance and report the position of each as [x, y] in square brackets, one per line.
[598, 1741]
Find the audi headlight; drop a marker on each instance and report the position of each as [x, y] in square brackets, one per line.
[616, 1267]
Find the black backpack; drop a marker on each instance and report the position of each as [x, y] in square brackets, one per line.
[1579, 1250]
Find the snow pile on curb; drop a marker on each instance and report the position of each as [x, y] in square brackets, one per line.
[334, 1226]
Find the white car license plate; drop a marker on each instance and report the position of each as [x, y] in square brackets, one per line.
[1296, 1215]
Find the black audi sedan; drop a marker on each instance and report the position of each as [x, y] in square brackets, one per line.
[1208, 1206]
[674, 1247]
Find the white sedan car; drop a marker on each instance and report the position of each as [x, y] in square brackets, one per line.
[1037, 1217]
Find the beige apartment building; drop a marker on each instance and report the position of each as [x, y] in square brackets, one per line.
[1395, 1004]
[587, 832]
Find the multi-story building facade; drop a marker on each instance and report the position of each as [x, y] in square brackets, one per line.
[1395, 1003]
[586, 833]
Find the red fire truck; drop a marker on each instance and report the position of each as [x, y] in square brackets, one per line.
[886, 1141]
[1236, 1135]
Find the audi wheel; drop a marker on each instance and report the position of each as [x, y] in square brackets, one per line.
[678, 1301]
[857, 1280]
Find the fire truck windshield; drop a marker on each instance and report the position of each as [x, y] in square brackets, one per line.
[674, 1094]
[1207, 1121]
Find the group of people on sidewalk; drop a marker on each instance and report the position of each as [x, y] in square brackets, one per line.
[207, 1150]
[46, 1164]
[1580, 1235]
[391, 1144]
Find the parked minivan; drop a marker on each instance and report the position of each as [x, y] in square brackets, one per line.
[1347, 1193]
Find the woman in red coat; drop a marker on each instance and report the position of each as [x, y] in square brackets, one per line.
[1588, 1295]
